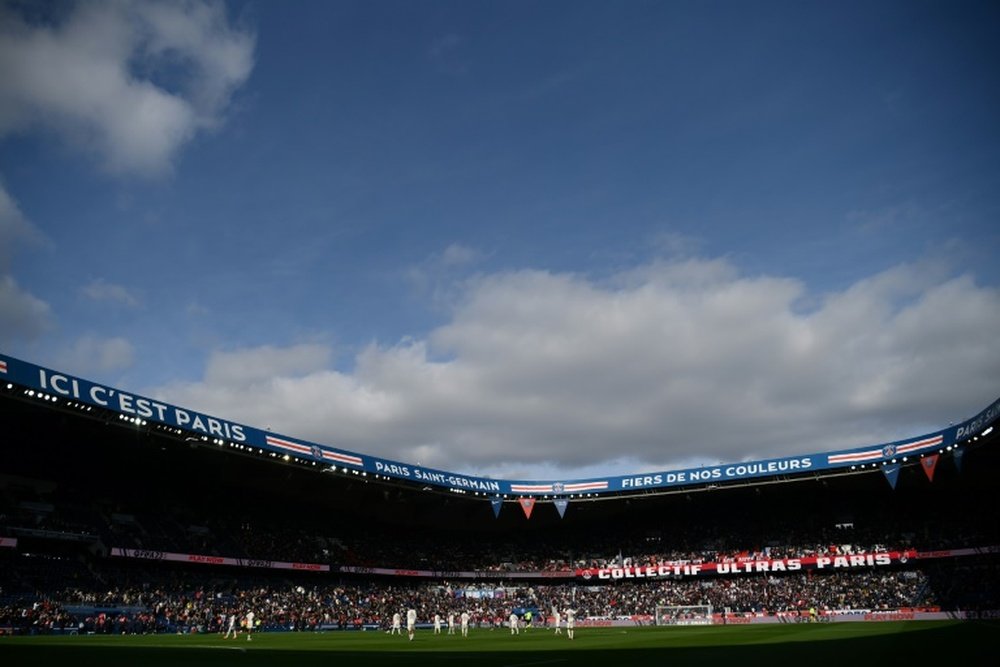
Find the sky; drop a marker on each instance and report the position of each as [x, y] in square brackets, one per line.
[534, 240]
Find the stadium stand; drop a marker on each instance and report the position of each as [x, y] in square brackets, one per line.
[90, 513]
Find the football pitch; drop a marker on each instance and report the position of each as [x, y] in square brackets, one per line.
[841, 644]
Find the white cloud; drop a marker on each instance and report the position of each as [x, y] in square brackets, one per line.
[131, 82]
[889, 217]
[457, 254]
[91, 354]
[101, 290]
[244, 368]
[674, 244]
[663, 365]
[437, 275]
[14, 228]
[22, 315]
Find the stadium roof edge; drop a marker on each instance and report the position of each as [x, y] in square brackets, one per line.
[51, 385]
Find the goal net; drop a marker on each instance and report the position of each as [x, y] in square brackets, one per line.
[692, 614]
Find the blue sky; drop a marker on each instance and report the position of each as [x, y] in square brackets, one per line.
[517, 238]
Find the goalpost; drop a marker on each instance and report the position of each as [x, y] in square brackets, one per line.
[688, 614]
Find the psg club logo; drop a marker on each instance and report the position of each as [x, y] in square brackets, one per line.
[889, 450]
[318, 453]
[558, 487]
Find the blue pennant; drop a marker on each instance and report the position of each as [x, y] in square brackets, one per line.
[892, 473]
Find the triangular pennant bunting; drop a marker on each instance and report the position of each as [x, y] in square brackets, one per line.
[527, 504]
[561, 504]
[497, 504]
[958, 458]
[929, 463]
[892, 473]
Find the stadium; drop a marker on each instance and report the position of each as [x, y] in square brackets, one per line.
[138, 532]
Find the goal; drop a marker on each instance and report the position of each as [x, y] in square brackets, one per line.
[691, 614]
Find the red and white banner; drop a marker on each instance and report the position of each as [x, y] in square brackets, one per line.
[752, 566]
[456, 574]
[887, 451]
[8, 542]
[152, 554]
[658, 571]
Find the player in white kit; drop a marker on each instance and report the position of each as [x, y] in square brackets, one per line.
[231, 628]
[411, 622]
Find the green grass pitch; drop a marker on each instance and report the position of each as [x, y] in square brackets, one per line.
[809, 645]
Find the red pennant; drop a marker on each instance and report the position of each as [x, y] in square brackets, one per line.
[928, 463]
[527, 504]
